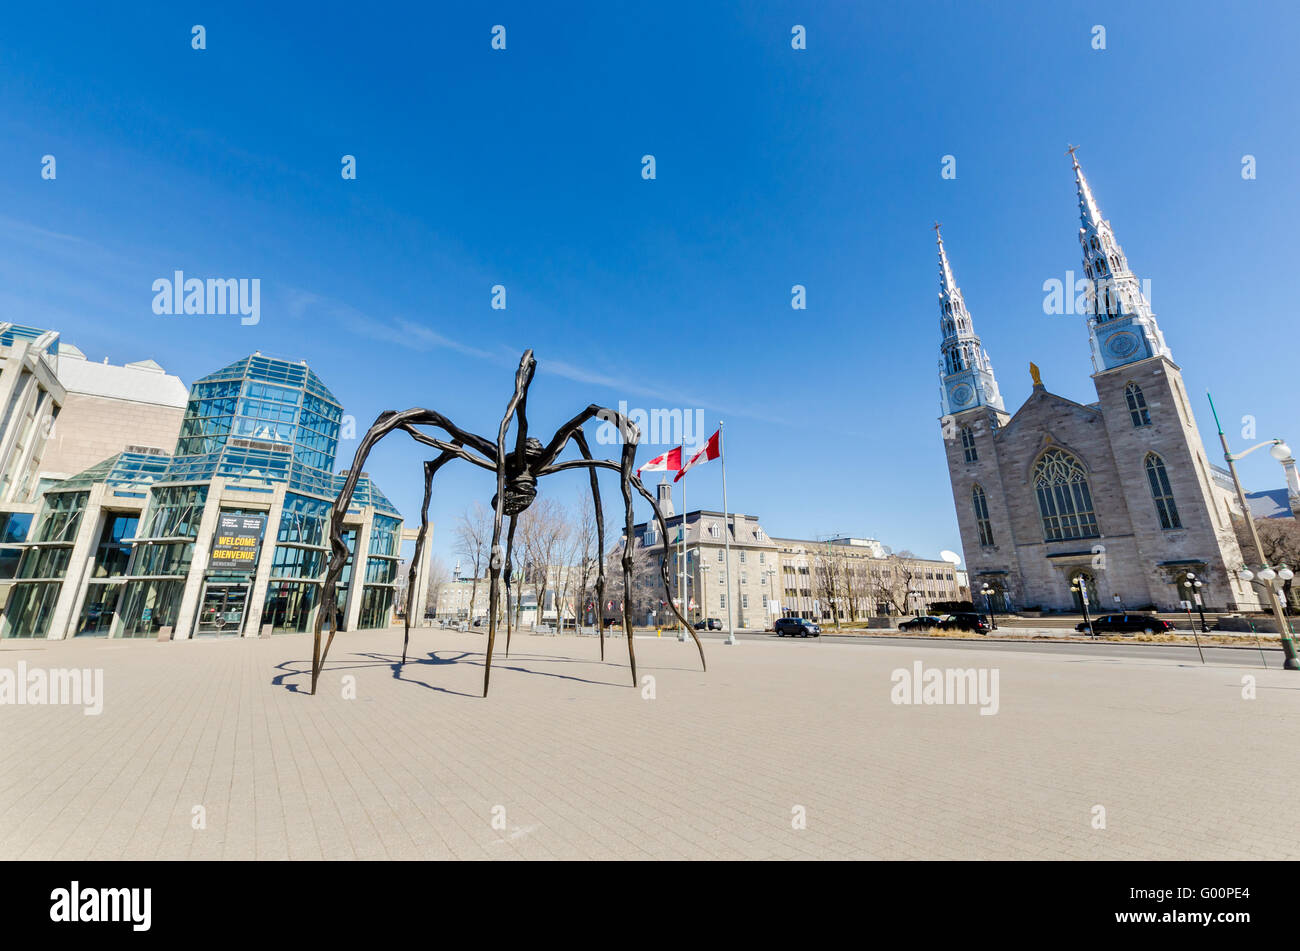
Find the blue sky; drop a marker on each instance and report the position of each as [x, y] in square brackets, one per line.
[775, 167]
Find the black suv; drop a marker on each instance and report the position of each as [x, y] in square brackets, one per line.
[922, 622]
[1126, 624]
[964, 621]
[796, 626]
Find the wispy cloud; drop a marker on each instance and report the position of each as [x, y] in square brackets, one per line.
[415, 336]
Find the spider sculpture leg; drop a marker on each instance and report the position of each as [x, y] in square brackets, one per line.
[631, 437]
[663, 531]
[430, 468]
[510, 570]
[629, 453]
[581, 439]
[384, 424]
[523, 377]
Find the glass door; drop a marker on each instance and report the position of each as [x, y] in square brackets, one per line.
[222, 612]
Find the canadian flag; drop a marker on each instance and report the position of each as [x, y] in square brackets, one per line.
[710, 450]
[670, 461]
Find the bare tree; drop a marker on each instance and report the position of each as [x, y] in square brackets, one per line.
[892, 581]
[542, 534]
[438, 576]
[584, 556]
[645, 563]
[473, 539]
[1280, 539]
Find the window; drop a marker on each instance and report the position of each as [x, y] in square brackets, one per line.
[1162, 492]
[981, 506]
[722, 600]
[760, 557]
[968, 444]
[1137, 406]
[1064, 499]
[719, 556]
[744, 601]
[742, 557]
[714, 531]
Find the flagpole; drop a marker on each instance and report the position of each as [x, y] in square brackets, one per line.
[681, 589]
[726, 522]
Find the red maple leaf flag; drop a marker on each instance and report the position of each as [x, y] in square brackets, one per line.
[710, 450]
[670, 461]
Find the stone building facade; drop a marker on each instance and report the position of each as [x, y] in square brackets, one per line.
[1116, 498]
[770, 577]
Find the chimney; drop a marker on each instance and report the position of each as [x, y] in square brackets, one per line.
[665, 499]
[1292, 485]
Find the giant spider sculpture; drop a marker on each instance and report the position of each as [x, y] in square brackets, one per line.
[517, 472]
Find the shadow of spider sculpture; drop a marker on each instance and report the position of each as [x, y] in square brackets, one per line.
[517, 472]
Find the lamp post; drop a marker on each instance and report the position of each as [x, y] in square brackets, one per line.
[704, 587]
[770, 573]
[684, 595]
[1282, 453]
[1193, 586]
[1080, 587]
[988, 605]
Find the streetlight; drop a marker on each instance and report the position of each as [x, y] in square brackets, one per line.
[1282, 453]
[1080, 587]
[1193, 586]
[988, 605]
[705, 567]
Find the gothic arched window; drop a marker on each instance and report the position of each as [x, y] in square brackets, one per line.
[968, 444]
[1064, 499]
[981, 506]
[1162, 492]
[1137, 406]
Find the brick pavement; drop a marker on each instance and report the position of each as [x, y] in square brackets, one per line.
[574, 763]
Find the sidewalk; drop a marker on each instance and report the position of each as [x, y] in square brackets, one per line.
[794, 749]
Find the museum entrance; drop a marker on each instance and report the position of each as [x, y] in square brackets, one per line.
[223, 607]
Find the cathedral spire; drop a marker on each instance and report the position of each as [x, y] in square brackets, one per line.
[1089, 213]
[965, 372]
[1121, 324]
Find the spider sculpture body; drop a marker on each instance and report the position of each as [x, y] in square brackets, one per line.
[517, 473]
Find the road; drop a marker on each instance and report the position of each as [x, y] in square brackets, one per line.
[1246, 655]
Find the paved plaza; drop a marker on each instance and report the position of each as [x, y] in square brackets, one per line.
[783, 749]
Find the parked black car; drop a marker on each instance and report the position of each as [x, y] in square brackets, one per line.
[922, 622]
[965, 621]
[708, 624]
[1126, 624]
[796, 627]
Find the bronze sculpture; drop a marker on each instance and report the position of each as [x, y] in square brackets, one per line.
[517, 472]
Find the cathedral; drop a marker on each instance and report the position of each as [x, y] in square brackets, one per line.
[1115, 500]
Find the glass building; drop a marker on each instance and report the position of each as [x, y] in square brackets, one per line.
[228, 535]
